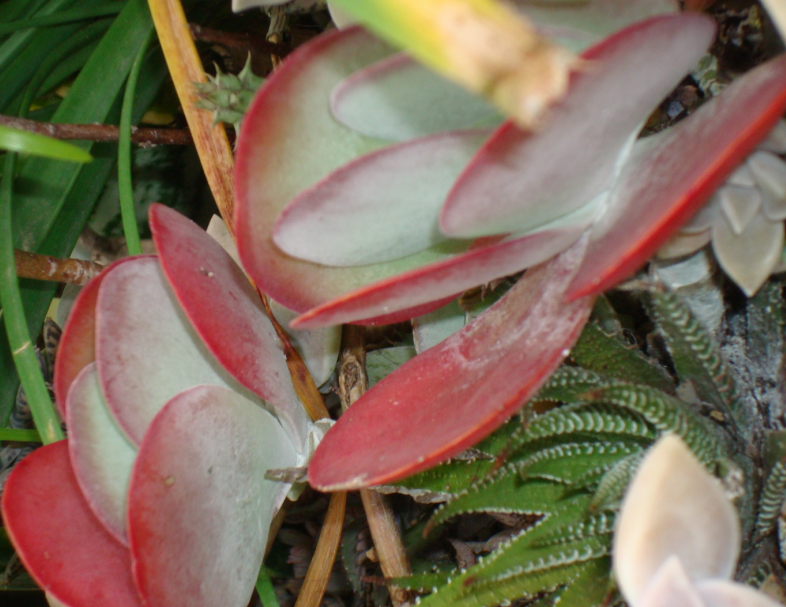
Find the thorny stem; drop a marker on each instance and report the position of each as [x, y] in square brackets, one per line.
[388, 544]
[100, 132]
[44, 267]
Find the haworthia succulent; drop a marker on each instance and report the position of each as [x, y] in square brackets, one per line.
[614, 482]
[569, 462]
[772, 498]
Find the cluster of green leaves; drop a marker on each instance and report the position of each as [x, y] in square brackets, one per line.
[567, 466]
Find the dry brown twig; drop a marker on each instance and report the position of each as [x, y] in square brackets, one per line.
[44, 267]
[388, 545]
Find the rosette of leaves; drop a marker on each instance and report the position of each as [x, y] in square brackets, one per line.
[160, 489]
[567, 465]
[398, 205]
[744, 218]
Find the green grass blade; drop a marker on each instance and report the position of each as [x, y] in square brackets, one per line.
[19, 436]
[78, 14]
[16, 140]
[23, 353]
[130, 228]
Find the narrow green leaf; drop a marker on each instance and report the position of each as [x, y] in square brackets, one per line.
[267, 593]
[15, 140]
[20, 436]
[68, 16]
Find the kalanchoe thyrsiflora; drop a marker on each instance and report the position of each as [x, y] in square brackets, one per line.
[678, 536]
[395, 209]
[178, 400]
[744, 218]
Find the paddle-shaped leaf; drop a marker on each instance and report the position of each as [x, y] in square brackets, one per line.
[289, 141]
[61, 543]
[101, 455]
[460, 390]
[226, 312]
[661, 186]
[519, 181]
[199, 505]
[674, 507]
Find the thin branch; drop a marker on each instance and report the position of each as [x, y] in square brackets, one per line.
[353, 383]
[43, 267]
[100, 132]
[242, 41]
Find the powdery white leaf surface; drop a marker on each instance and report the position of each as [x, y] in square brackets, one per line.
[63, 546]
[720, 593]
[751, 256]
[226, 312]
[76, 349]
[381, 207]
[457, 392]
[101, 455]
[670, 587]
[520, 180]
[318, 348]
[683, 244]
[661, 186]
[704, 218]
[439, 282]
[289, 142]
[199, 506]
[740, 205]
[673, 507]
[399, 98]
[146, 349]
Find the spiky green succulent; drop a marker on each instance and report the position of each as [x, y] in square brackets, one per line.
[568, 466]
[228, 95]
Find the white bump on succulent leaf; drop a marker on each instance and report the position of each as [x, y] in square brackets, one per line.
[670, 587]
[739, 205]
[776, 140]
[750, 257]
[673, 507]
[101, 455]
[682, 244]
[770, 172]
[720, 593]
[340, 16]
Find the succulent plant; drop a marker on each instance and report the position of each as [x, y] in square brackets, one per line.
[173, 424]
[228, 95]
[744, 218]
[401, 207]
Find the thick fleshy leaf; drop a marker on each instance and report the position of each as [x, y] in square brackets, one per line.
[739, 205]
[146, 349]
[76, 349]
[720, 593]
[199, 505]
[318, 348]
[683, 244]
[751, 256]
[101, 455]
[705, 218]
[430, 329]
[399, 98]
[457, 392]
[661, 186]
[673, 507]
[227, 312]
[62, 544]
[440, 280]
[776, 140]
[519, 181]
[670, 587]
[289, 142]
[381, 207]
